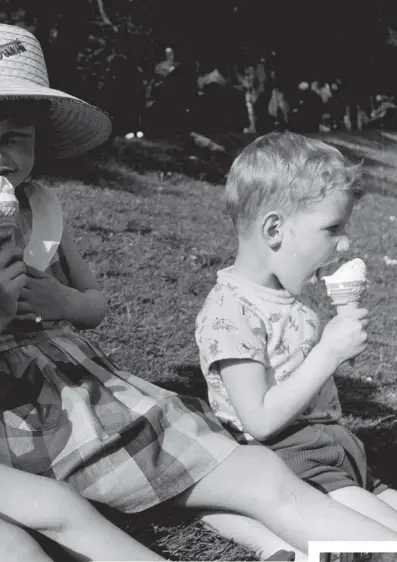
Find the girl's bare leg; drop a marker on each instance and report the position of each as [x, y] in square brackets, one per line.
[254, 482]
[248, 532]
[16, 545]
[60, 513]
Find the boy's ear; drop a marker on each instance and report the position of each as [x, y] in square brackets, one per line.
[271, 229]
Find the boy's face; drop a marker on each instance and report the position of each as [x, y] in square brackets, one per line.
[17, 148]
[312, 238]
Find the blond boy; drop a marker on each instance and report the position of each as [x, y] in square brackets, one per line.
[266, 357]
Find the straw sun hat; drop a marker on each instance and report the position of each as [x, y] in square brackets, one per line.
[74, 126]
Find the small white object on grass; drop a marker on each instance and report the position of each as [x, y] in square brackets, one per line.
[389, 261]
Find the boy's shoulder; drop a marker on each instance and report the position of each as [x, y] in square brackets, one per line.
[224, 295]
[228, 304]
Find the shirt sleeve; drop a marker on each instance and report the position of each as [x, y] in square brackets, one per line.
[230, 331]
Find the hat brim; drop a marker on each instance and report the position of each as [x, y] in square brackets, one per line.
[75, 126]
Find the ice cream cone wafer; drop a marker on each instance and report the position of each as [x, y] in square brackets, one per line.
[345, 309]
[343, 294]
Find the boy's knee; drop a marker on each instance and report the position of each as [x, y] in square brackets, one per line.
[269, 477]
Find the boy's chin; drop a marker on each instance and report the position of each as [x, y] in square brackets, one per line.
[293, 286]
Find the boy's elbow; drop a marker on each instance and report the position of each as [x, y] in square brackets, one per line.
[261, 429]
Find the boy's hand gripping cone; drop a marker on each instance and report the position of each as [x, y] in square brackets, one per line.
[347, 286]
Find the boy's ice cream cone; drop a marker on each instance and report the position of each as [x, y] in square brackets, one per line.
[347, 286]
[344, 309]
[9, 205]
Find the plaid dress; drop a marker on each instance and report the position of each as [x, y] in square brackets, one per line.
[68, 413]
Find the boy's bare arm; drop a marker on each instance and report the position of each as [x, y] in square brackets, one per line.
[265, 410]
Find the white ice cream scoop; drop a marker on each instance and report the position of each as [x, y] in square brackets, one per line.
[351, 271]
[8, 202]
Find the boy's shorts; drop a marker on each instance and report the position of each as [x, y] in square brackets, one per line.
[327, 456]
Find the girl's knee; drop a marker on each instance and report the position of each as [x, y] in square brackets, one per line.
[69, 507]
[16, 545]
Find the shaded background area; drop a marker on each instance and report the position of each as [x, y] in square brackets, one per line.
[170, 67]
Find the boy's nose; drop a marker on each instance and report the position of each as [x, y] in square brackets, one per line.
[343, 245]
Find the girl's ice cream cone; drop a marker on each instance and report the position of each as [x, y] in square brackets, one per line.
[9, 205]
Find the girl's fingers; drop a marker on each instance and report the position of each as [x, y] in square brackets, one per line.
[36, 273]
[10, 254]
[24, 294]
[24, 308]
[16, 284]
[31, 317]
[16, 269]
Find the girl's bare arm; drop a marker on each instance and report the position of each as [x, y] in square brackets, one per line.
[86, 306]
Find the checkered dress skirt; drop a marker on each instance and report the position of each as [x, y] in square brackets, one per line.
[68, 413]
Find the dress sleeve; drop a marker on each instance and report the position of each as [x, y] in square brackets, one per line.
[230, 331]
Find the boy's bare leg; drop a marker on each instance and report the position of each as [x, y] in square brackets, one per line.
[375, 507]
[389, 496]
[254, 482]
[16, 545]
[248, 532]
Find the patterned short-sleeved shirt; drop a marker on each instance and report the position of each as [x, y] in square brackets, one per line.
[243, 320]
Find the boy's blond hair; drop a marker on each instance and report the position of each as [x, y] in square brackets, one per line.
[285, 171]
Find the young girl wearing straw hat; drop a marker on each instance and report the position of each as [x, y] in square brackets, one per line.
[67, 412]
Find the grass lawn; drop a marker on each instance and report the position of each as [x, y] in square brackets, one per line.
[155, 241]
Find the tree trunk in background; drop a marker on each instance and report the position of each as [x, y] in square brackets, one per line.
[352, 115]
[102, 13]
[251, 113]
